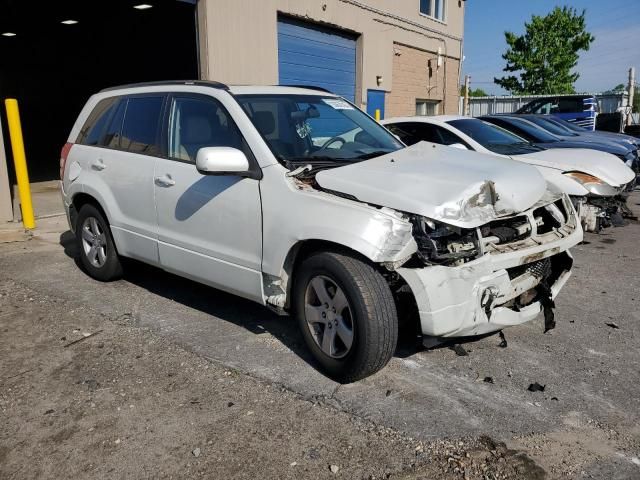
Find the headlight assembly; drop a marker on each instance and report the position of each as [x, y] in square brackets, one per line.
[593, 184]
[441, 244]
[585, 178]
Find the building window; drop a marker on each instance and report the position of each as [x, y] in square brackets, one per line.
[427, 108]
[433, 8]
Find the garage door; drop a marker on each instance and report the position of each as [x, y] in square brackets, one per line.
[309, 54]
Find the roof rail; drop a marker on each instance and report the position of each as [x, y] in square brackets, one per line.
[199, 83]
[309, 87]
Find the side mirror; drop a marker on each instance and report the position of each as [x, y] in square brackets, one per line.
[222, 161]
[459, 146]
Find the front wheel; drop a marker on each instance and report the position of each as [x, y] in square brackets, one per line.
[347, 315]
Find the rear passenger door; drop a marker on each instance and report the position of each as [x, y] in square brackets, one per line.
[209, 226]
[124, 167]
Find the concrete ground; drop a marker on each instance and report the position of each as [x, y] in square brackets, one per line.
[585, 424]
[45, 197]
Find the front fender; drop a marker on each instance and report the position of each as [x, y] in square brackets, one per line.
[297, 213]
[562, 182]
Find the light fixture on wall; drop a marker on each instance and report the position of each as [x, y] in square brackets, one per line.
[379, 79]
[69, 22]
[143, 6]
[8, 34]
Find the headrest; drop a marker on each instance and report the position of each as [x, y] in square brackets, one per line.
[265, 122]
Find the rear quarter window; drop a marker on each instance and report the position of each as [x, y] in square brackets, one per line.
[93, 128]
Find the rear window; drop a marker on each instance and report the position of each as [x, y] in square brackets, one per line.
[141, 121]
[92, 130]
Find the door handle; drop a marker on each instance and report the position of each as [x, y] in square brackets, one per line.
[164, 181]
[98, 165]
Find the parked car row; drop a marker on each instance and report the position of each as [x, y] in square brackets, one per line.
[296, 199]
[583, 167]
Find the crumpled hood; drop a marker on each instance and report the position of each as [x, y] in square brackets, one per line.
[599, 164]
[458, 187]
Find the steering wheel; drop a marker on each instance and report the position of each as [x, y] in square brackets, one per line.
[331, 141]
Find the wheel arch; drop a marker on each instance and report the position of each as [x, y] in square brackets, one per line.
[79, 200]
[402, 292]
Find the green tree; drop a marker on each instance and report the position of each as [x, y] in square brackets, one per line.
[541, 61]
[478, 92]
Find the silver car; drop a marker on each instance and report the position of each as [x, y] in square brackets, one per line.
[296, 199]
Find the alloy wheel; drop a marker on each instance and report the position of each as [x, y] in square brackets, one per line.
[94, 242]
[328, 315]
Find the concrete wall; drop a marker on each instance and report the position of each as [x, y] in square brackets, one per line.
[239, 44]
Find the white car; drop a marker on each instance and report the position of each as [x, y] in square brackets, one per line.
[593, 179]
[297, 200]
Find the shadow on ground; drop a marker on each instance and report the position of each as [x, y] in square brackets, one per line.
[230, 308]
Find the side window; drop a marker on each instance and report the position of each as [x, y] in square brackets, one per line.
[571, 105]
[405, 132]
[140, 128]
[111, 137]
[426, 132]
[449, 138]
[195, 123]
[96, 122]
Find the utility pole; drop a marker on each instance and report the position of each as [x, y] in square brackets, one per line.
[465, 108]
[631, 90]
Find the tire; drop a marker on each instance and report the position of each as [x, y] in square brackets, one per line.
[92, 230]
[370, 312]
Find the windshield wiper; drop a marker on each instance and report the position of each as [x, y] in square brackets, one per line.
[370, 155]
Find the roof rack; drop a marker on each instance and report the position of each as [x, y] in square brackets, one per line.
[199, 83]
[309, 87]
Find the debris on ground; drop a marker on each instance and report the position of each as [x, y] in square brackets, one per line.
[503, 343]
[488, 380]
[334, 468]
[612, 325]
[459, 350]
[84, 337]
[536, 387]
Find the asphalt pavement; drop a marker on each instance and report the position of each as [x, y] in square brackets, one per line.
[584, 424]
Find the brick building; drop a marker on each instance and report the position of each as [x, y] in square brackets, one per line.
[401, 57]
[398, 57]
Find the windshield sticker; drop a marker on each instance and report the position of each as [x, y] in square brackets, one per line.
[337, 103]
[303, 129]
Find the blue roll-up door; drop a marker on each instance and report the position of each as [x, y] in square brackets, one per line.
[309, 54]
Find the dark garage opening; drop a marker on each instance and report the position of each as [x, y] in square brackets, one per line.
[52, 68]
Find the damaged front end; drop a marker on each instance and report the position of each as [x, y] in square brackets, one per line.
[604, 206]
[475, 281]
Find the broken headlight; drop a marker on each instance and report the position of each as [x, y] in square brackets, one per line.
[441, 244]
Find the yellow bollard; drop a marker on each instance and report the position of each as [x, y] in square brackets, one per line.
[378, 114]
[20, 162]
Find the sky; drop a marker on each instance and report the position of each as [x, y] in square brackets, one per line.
[614, 23]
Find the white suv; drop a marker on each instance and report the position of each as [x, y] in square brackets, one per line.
[296, 199]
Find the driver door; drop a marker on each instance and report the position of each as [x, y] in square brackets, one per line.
[209, 226]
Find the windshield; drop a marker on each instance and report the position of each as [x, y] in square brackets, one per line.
[493, 138]
[568, 125]
[536, 133]
[552, 127]
[314, 128]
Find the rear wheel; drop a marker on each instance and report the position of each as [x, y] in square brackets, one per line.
[98, 253]
[347, 315]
